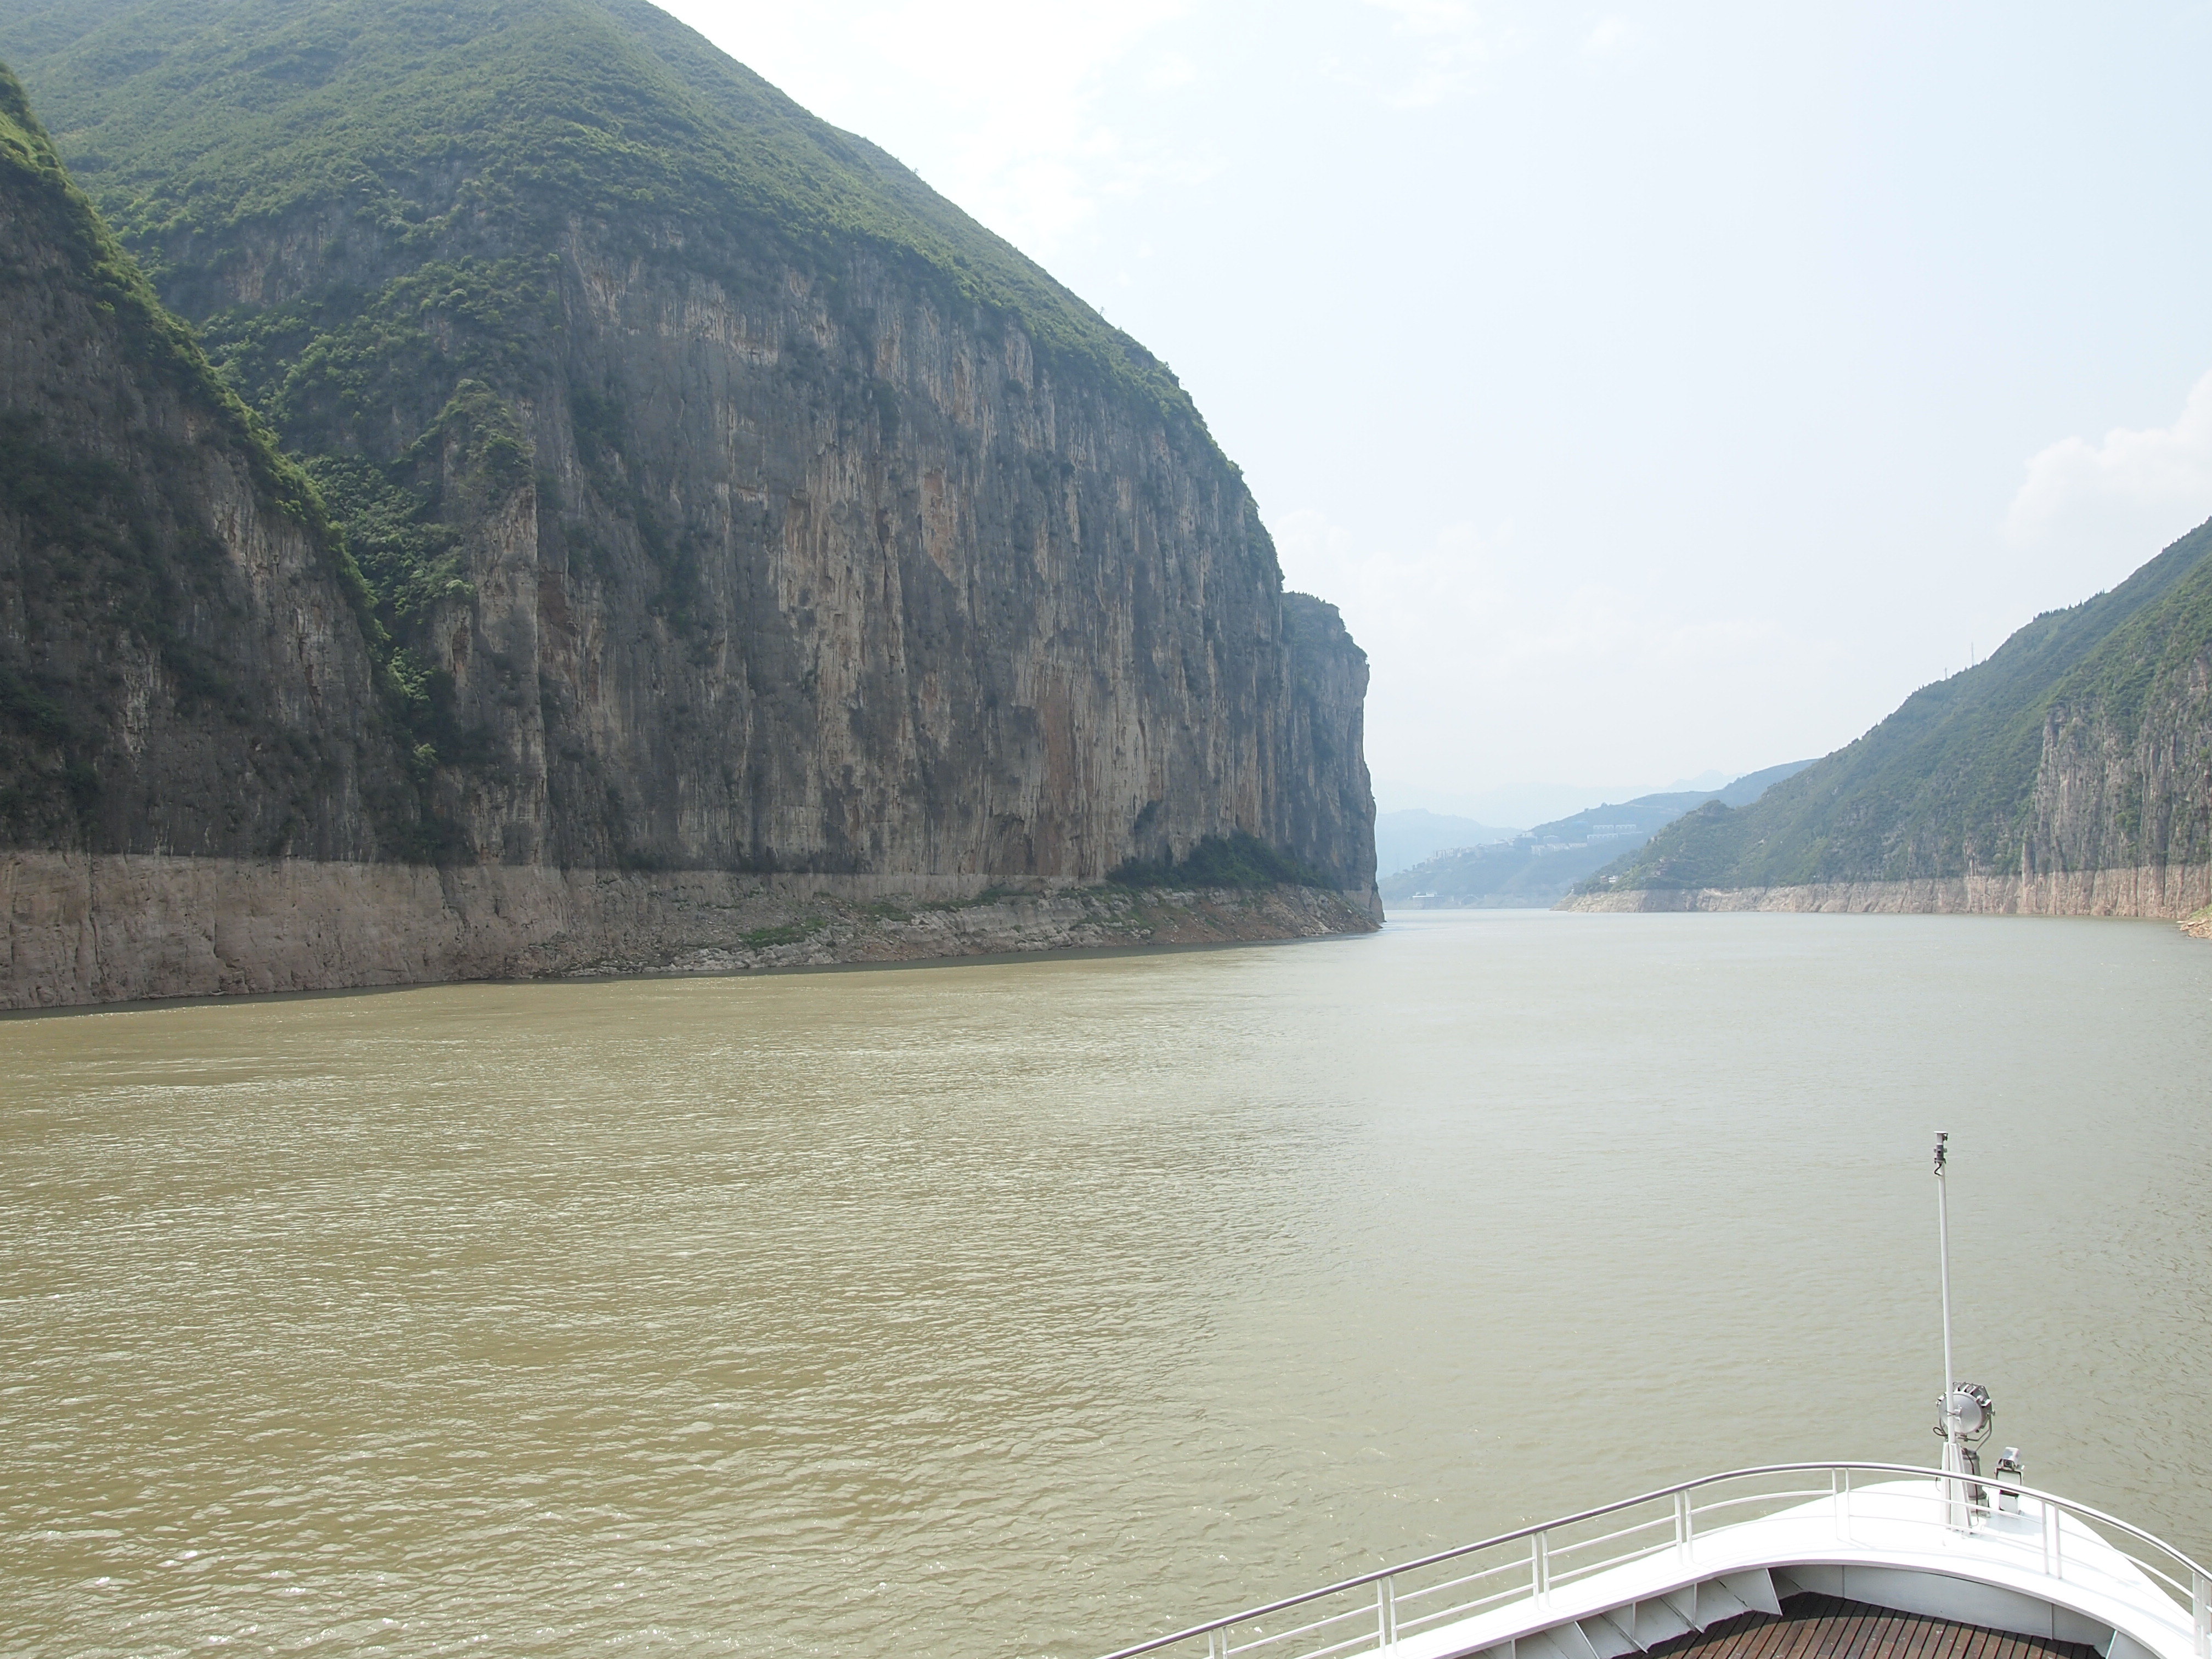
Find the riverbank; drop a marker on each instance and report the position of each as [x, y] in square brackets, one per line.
[87, 930]
[2179, 893]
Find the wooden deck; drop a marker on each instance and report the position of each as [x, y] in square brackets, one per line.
[1826, 1627]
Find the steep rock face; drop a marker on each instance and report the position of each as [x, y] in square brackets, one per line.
[2107, 796]
[755, 556]
[182, 667]
[850, 591]
[1331, 797]
[736, 503]
[781, 584]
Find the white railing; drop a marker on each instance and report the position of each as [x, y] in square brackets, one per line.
[1369, 1613]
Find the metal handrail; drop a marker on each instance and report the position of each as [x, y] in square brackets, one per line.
[2201, 1579]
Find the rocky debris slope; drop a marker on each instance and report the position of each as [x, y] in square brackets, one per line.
[107, 928]
[2161, 891]
[2071, 773]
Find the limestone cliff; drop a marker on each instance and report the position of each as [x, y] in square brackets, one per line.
[734, 501]
[677, 484]
[2124, 779]
[1331, 799]
[183, 666]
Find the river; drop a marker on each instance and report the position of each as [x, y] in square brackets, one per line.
[1029, 1308]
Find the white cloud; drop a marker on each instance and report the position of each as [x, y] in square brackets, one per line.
[2120, 498]
[1449, 45]
[1611, 32]
[1171, 70]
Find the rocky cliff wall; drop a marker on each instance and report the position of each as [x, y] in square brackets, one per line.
[1329, 796]
[697, 551]
[733, 501]
[757, 567]
[2125, 781]
[182, 662]
[2069, 772]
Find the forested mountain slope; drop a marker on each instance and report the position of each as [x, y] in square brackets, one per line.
[2071, 771]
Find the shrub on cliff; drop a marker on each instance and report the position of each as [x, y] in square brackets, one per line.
[1237, 860]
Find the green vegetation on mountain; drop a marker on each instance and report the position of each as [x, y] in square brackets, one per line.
[58, 212]
[1948, 784]
[1408, 836]
[149, 533]
[1234, 860]
[187, 130]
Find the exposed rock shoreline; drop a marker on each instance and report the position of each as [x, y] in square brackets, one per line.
[2169, 892]
[110, 929]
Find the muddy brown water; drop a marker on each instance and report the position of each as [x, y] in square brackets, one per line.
[1031, 1307]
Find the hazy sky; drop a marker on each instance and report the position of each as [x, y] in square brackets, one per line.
[1656, 388]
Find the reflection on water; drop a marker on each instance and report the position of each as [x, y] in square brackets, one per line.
[1027, 1309]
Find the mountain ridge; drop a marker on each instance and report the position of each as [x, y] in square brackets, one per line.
[2082, 745]
[1541, 865]
[618, 105]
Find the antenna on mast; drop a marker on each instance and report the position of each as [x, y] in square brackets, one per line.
[1943, 1268]
[1968, 1411]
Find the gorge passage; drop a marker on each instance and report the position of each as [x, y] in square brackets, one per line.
[616, 517]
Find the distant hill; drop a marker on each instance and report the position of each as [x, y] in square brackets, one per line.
[2072, 771]
[1404, 839]
[1539, 867]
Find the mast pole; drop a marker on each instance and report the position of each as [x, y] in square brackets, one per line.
[1944, 1264]
[1954, 1490]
